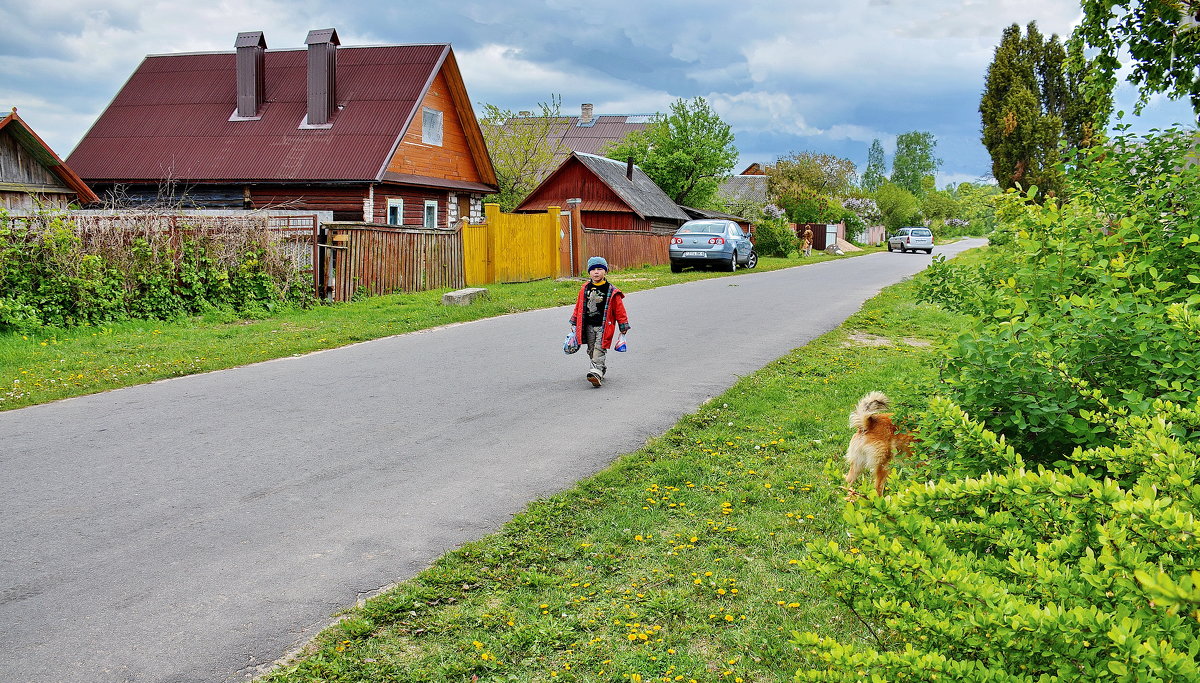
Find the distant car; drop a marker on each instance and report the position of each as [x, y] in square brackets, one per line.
[712, 242]
[917, 239]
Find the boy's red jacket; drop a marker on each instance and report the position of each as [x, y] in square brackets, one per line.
[614, 314]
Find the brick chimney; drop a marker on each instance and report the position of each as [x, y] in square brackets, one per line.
[585, 114]
[322, 74]
[251, 46]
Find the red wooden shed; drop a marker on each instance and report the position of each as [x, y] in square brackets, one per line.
[614, 195]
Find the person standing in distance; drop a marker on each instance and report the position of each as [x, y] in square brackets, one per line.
[599, 313]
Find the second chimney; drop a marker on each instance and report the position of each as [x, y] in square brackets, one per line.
[585, 114]
[322, 74]
[251, 47]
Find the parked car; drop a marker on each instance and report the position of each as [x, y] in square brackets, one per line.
[917, 239]
[713, 242]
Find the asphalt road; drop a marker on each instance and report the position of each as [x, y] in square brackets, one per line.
[199, 528]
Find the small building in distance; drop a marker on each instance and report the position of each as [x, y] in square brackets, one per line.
[32, 176]
[613, 195]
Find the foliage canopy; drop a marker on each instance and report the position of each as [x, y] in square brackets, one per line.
[1160, 37]
[686, 153]
[522, 148]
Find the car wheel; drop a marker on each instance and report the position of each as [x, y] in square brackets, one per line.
[929, 251]
[889, 246]
[753, 260]
[676, 268]
[732, 265]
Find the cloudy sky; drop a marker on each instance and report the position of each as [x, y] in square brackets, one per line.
[788, 75]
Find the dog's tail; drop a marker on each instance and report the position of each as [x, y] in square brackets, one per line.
[873, 402]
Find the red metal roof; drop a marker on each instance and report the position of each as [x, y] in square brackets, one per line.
[171, 119]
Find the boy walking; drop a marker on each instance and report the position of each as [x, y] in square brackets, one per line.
[599, 313]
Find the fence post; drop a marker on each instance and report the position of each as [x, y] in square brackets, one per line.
[578, 259]
[552, 239]
[491, 233]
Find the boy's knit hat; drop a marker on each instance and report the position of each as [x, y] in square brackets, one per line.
[597, 262]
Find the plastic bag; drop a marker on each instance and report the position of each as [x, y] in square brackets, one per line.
[571, 343]
[619, 345]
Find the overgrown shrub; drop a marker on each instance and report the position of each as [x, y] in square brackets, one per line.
[1027, 575]
[1054, 534]
[1089, 285]
[773, 237]
[55, 273]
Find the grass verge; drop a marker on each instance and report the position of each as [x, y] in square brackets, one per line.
[678, 562]
[57, 364]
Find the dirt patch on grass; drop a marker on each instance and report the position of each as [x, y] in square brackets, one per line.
[865, 339]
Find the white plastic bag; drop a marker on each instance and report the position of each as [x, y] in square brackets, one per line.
[571, 343]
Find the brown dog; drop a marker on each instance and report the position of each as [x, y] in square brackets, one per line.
[875, 440]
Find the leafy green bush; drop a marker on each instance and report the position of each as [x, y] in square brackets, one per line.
[1054, 536]
[773, 237]
[1027, 574]
[1089, 286]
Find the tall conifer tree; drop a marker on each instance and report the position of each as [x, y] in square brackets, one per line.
[874, 175]
[1031, 102]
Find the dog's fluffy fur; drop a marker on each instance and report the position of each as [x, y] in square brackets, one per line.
[875, 440]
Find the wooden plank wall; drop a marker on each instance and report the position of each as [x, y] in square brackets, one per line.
[627, 248]
[452, 160]
[511, 247]
[476, 261]
[382, 259]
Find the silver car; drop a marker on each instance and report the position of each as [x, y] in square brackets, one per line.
[917, 239]
[714, 242]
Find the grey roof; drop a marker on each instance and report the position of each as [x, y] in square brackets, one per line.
[641, 194]
[706, 213]
[744, 189]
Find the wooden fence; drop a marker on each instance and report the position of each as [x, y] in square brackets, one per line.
[628, 248]
[511, 247]
[383, 259]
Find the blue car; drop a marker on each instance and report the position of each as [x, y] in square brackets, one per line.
[714, 243]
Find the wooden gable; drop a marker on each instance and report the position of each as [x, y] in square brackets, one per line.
[28, 167]
[463, 155]
[574, 180]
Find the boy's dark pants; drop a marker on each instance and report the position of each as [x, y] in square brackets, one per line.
[594, 336]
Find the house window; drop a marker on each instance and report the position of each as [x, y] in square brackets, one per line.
[431, 126]
[395, 211]
[431, 213]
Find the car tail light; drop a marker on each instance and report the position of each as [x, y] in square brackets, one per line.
[676, 240]
[716, 240]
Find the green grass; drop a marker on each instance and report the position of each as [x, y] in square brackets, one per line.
[56, 364]
[678, 562]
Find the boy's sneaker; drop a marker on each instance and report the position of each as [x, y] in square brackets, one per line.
[595, 377]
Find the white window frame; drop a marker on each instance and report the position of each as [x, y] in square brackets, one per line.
[431, 126]
[397, 204]
[430, 204]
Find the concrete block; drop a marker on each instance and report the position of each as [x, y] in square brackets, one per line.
[463, 297]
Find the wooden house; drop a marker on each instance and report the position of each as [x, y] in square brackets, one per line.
[381, 134]
[31, 174]
[613, 195]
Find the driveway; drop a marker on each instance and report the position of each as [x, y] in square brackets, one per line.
[199, 528]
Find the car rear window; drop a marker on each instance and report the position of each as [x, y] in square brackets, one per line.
[712, 227]
[922, 233]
